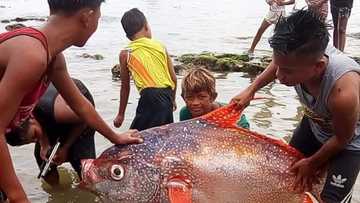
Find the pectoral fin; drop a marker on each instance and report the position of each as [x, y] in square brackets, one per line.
[179, 191]
[309, 198]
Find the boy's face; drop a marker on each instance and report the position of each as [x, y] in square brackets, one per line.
[199, 103]
[293, 70]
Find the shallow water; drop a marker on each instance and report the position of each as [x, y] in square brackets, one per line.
[183, 26]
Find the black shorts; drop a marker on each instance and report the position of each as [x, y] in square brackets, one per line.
[3, 197]
[343, 168]
[155, 108]
[342, 9]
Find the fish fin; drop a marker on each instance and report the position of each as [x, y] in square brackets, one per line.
[309, 198]
[226, 116]
[179, 191]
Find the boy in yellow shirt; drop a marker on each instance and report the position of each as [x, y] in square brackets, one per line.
[151, 68]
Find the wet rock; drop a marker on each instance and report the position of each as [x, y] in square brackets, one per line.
[224, 62]
[14, 26]
[116, 71]
[95, 56]
[23, 19]
[354, 35]
[356, 58]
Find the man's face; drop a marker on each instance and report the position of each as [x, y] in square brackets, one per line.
[293, 70]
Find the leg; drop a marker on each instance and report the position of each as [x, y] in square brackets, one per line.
[304, 140]
[344, 15]
[264, 25]
[341, 177]
[335, 15]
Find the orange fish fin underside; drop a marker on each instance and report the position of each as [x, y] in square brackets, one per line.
[179, 192]
[308, 198]
[226, 116]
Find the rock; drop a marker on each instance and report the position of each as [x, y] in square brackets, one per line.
[95, 57]
[23, 19]
[14, 26]
[354, 35]
[116, 71]
[356, 58]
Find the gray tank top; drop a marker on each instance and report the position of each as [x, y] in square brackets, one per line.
[320, 121]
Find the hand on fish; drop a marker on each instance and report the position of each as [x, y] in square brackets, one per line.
[128, 137]
[306, 175]
[243, 99]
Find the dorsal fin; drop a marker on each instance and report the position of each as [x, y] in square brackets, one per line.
[226, 116]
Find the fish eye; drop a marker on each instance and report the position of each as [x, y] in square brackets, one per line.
[117, 172]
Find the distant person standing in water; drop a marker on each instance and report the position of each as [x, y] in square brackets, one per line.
[276, 10]
[319, 6]
[340, 11]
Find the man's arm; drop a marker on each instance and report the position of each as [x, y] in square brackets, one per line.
[344, 106]
[81, 106]
[268, 75]
[20, 76]
[173, 77]
[124, 89]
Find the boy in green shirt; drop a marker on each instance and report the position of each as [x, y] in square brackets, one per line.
[199, 94]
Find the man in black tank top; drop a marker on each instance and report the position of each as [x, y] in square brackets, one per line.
[54, 120]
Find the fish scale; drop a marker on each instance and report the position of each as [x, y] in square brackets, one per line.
[206, 159]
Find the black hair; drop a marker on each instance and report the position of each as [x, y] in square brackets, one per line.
[18, 136]
[72, 6]
[132, 22]
[302, 33]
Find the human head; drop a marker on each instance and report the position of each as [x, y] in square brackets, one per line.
[299, 42]
[133, 22]
[86, 13]
[28, 132]
[198, 91]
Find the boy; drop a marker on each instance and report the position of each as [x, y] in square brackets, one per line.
[340, 11]
[277, 9]
[151, 68]
[328, 85]
[199, 94]
[54, 119]
[71, 22]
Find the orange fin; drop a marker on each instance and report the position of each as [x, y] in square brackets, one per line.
[309, 198]
[179, 192]
[226, 116]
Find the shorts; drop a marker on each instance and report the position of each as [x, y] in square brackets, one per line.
[3, 197]
[343, 168]
[155, 108]
[273, 17]
[343, 12]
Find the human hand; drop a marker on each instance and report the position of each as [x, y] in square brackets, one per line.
[243, 99]
[128, 137]
[118, 120]
[306, 174]
[61, 155]
[44, 149]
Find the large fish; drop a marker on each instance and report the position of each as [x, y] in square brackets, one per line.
[206, 159]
